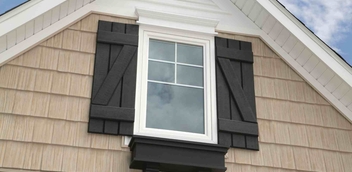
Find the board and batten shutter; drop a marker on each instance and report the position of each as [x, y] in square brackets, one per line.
[237, 121]
[114, 79]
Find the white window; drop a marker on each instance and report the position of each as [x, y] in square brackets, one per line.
[176, 85]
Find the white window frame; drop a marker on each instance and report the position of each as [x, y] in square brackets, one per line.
[147, 32]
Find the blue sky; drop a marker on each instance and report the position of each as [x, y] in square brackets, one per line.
[8, 4]
[331, 20]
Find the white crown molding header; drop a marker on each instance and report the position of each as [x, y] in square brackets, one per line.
[176, 21]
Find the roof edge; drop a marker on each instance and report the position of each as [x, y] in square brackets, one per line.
[313, 36]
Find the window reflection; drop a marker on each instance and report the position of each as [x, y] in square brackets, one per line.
[189, 75]
[190, 54]
[175, 108]
[162, 50]
[161, 71]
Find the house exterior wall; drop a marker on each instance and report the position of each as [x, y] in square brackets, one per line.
[298, 129]
[44, 106]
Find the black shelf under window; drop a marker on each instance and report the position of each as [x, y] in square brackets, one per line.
[156, 154]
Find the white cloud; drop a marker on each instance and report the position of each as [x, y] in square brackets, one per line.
[329, 19]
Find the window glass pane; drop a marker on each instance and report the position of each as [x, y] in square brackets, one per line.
[189, 75]
[162, 50]
[190, 54]
[161, 71]
[175, 108]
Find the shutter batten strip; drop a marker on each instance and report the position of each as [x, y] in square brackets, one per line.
[233, 54]
[117, 38]
[238, 127]
[100, 71]
[113, 113]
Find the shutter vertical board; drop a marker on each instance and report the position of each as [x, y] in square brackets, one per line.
[248, 82]
[102, 54]
[100, 66]
[252, 142]
[238, 140]
[235, 115]
[224, 99]
[115, 50]
[115, 100]
[96, 125]
[248, 75]
[129, 84]
[223, 106]
[111, 127]
[128, 94]
[114, 53]
[101, 69]
[235, 78]
[114, 79]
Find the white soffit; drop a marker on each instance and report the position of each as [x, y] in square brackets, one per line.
[22, 23]
[303, 51]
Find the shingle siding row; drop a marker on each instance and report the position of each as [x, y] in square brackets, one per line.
[298, 129]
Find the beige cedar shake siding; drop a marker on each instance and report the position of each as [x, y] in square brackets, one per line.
[44, 105]
[45, 96]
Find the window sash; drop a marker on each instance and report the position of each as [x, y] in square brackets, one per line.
[207, 42]
[171, 112]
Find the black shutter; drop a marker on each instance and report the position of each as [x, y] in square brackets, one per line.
[237, 121]
[114, 82]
